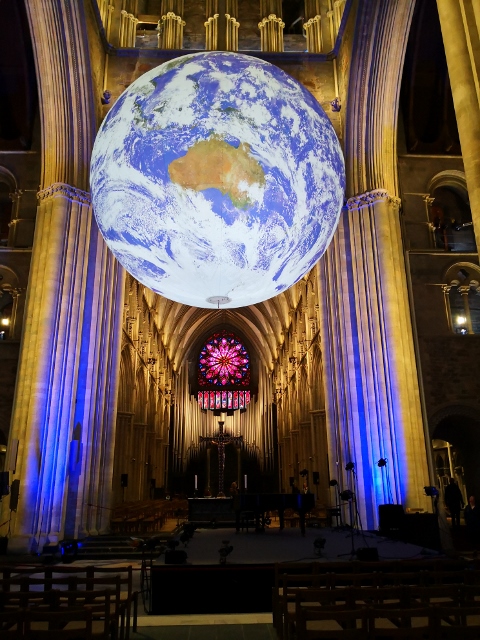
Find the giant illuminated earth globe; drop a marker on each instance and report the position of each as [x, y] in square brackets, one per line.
[217, 178]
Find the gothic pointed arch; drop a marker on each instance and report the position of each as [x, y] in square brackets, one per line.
[126, 382]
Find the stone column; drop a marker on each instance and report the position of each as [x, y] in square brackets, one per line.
[372, 397]
[65, 399]
[320, 461]
[460, 23]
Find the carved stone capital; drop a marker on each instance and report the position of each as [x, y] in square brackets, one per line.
[371, 197]
[15, 196]
[66, 191]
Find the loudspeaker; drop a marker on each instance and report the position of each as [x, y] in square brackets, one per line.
[390, 518]
[367, 554]
[124, 480]
[316, 477]
[175, 557]
[14, 491]
[3, 483]
[291, 480]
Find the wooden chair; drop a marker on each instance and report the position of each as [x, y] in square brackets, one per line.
[283, 594]
[416, 622]
[383, 597]
[458, 623]
[318, 623]
[331, 599]
[11, 625]
[75, 624]
[129, 597]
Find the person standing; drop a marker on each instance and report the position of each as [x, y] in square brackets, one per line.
[454, 502]
[472, 520]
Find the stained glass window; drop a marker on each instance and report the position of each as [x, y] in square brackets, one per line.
[218, 400]
[223, 361]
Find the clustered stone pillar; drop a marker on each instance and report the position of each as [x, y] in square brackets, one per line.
[460, 23]
[335, 14]
[171, 25]
[63, 417]
[106, 10]
[271, 26]
[128, 23]
[221, 25]
[373, 399]
[313, 26]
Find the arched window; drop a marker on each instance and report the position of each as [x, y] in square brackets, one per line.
[451, 219]
[463, 298]
[223, 373]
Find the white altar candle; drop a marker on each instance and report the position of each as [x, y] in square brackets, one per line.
[245, 480]
[196, 483]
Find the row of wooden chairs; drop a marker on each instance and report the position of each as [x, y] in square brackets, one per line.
[61, 615]
[329, 582]
[369, 623]
[38, 580]
[375, 607]
[146, 517]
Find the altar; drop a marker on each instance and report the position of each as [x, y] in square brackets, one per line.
[209, 510]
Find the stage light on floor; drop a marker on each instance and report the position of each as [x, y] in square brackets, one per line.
[173, 555]
[225, 551]
[68, 550]
[350, 466]
[319, 545]
[382, 462]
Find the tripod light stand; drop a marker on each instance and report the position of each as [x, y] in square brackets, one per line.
[382, 463]
[349, 496]
[337, 511]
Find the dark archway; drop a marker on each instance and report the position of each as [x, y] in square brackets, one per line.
[462, 431]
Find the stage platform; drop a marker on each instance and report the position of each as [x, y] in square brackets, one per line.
[244, 584]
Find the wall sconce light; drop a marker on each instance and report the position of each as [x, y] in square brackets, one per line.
[5, 322]
[460, 325]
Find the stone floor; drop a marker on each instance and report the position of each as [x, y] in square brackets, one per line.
[207, 632]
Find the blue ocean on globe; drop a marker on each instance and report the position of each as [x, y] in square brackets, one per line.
[217, 175]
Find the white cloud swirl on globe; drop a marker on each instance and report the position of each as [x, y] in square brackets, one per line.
[217, 174]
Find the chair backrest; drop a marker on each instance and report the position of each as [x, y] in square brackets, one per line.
[57, 623]
[124, 573]
[24, 599]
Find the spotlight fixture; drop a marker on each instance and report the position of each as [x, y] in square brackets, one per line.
[332, 483]
[382, 462]
[432, 492]
[350, 466]
[346, 495]
[319, 545]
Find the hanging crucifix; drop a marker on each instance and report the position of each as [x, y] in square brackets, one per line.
[221, 439]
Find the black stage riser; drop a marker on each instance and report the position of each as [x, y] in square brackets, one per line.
[211, 589]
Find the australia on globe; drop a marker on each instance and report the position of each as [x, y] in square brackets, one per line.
[217, 179]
